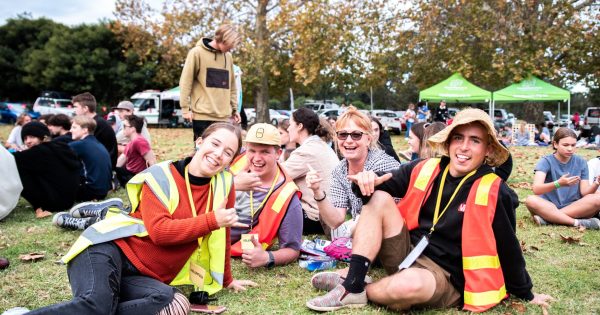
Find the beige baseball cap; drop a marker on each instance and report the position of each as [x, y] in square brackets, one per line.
[264, 134]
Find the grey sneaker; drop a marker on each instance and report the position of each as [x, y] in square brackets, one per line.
[336, 299]
[95, 209]
[591, 224]
[328, 280]
[67, 221]
[539, 220]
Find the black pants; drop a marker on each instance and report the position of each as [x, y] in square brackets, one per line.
[199, 126]
[84, 193]
[123, 175]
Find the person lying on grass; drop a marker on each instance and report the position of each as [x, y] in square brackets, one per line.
[177, 234]
[452, 211]
[563, 194]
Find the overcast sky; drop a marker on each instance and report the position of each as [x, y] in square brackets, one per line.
[69, 12]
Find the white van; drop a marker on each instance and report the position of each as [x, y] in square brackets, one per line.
[318, 106]
[592, 117]
[158, 108]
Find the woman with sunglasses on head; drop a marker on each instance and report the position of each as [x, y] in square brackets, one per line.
[307, 130]
[356, 143]
[177, 233]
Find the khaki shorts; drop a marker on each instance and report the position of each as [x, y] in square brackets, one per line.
[395, 249]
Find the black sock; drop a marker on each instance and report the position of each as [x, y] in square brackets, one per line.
[355, 280]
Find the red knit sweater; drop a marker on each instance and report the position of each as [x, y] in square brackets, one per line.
[172, 238]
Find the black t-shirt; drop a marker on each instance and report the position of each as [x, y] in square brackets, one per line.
[106, 135]
[445, 247]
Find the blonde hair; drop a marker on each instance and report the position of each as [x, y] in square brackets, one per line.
[361, 120]
[426, 150]
[227, 34]
[85, 122]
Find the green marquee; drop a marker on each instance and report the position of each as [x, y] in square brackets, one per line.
[455, 89]
[530, 89]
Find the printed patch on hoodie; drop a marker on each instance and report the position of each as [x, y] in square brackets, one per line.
[217, 78]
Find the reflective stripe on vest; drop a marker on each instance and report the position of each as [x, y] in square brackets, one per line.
[271, 216]
[240, 163]
[210, 255]
[484, 281]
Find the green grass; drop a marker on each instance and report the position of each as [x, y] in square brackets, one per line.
[569, 272]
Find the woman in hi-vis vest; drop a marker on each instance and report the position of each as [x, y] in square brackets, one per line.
[181, 212]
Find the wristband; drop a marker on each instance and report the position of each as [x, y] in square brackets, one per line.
[556, 184]
[319, 200]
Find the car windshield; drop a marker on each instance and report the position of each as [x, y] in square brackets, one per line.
[65, 104]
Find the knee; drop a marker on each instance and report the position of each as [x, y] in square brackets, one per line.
[530, 202]
[380, 201]
[179, 305]
[412, 285]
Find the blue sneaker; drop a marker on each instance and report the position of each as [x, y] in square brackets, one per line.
[95, 209]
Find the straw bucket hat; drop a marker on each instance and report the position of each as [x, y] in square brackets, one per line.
[499, 153]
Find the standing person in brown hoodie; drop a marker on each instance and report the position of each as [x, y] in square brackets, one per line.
[207, 88]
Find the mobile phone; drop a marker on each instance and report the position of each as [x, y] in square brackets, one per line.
[207, 309]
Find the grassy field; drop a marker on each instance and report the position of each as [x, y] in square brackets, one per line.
[568, 271]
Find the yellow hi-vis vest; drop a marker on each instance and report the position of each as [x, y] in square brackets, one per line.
[210, 254]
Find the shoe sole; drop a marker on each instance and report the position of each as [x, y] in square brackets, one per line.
[332, 308]
[97, 205]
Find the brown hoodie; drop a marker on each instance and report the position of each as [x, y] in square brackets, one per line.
[207, 85]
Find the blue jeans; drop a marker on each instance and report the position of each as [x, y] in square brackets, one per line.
[104, 281]
[408, 125]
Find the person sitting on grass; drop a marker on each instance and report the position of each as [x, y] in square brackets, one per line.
[355, 140]
[96, 174]
[15, 141]
[563, 194]
[48, 170]
[126, 264]
[458, 216]
[137, 155]
[267, 202]
[60, 128]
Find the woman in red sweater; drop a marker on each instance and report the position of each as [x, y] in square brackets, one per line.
[130, 275]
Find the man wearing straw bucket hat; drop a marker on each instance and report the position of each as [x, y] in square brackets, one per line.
[438, 244]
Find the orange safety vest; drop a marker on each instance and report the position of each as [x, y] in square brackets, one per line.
[239, 163]
[272, 213]
[484, 281]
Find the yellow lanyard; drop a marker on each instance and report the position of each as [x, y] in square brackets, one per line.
[436, 214]
[264, 200]
[189, 192]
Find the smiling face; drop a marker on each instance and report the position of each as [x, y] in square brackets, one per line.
[78, 133]
[468, 146]
[215, 152]
[263, 159]
[354, 150]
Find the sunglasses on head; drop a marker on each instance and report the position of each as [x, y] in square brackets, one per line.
[355, 135]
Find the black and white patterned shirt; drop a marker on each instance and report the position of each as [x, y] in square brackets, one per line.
[340, 188]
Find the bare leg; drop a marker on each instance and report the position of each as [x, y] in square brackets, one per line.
[583, 208]
[379, 219]
[404, 289]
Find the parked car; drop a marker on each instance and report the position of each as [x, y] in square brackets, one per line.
[317, 106]
[592, 117]
[328, 113]
[273, 115]
[548, 119]
[500, 117]
[565, 121]
[389, 119]
[285, 112]
[48, 105]
[9, 112]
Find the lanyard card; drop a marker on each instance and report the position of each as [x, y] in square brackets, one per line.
[197, 275]
[414, 253]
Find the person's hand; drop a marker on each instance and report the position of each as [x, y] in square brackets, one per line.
[313, 179]
[567, 180]
[542, 299]
[227, 217]
[256, 257]
[312, 213]
[368, 180]
[187, 116]
[236, 117]
[240, 285]
[247, 181]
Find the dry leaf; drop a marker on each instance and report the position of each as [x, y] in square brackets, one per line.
[570, 239]
[581, 228]
[31, 257]
[534, 248]
[518, 307]
[30, 229]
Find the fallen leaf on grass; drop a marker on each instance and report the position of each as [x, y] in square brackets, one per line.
[522, 185]
[518, 307]
[581, 229]
[31, 257]
[570, 239]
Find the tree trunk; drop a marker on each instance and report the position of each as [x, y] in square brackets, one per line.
[262, 97]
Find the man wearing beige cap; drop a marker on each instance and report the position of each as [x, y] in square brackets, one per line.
[438, 244]
[270, 205]
[124, 109]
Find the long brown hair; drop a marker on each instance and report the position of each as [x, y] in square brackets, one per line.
[224, 125]
[562, 133]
